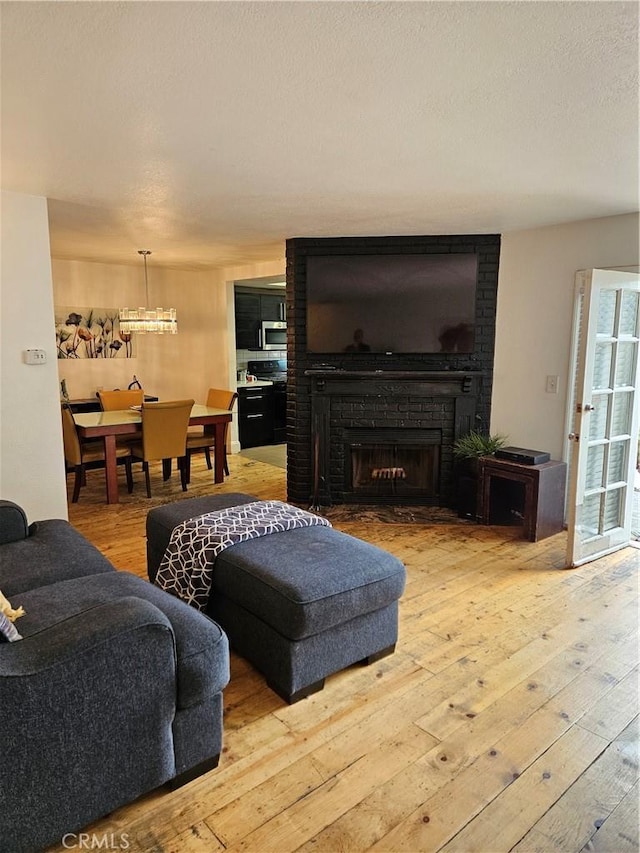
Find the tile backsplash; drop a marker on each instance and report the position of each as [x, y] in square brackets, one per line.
[243, 356]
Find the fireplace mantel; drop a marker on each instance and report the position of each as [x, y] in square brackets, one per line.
[434, 375]
[422, 383]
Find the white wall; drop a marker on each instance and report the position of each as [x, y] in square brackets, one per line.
[534, 318]
[31, 453]
[168, 366]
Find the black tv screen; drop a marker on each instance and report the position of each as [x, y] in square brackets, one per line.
[409, 303]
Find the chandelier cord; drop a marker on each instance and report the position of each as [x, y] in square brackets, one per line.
[144, 253]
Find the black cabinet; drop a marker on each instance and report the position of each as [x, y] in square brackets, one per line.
[92, 404]
[272, 306]
[252, 306]
[247, 319]
[255, 416]
[84, 404]
[530, 494]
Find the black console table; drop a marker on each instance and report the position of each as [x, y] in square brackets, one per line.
[92, 404]
[541, 506]
[84, 404]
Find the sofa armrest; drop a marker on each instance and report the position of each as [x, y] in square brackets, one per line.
[67, 644]
[13, 522]
[88, 706]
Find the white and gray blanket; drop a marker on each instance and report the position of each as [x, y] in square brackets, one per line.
[186, 569]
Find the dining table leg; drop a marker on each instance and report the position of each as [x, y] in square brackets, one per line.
[218, 453]
[111, 469]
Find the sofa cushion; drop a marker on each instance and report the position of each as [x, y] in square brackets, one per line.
[201, 645]
[305, 581]
[54, 552]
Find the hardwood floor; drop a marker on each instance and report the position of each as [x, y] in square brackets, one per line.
[506, 720]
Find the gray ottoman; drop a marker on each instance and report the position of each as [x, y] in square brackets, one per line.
[299, 605]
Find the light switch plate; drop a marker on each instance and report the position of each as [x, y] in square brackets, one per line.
[552, 385]
[35, 356]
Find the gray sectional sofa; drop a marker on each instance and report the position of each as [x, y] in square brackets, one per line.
[115, 688]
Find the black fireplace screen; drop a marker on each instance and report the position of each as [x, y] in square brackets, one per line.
[385, 464]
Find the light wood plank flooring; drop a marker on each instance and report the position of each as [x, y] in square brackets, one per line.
[506, 720]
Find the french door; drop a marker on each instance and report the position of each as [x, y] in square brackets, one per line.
[604, 408]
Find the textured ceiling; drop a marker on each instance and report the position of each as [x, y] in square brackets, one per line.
[209, 132]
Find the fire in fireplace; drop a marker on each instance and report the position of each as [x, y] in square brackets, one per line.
[386, 464]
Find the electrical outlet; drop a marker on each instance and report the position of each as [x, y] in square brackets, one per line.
[552, 385]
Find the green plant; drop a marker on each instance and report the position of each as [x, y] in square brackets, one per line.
[476, 444]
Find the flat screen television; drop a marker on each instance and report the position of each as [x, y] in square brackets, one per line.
[396, 303]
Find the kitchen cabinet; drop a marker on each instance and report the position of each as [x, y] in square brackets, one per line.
[252, 306]
[247, 304]
[255, 416]
[272, 306]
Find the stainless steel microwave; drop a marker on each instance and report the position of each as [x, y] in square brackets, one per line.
[273, 335]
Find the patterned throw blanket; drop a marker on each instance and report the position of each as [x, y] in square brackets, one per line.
[186, 569]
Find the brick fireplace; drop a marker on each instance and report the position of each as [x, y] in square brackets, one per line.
[387, 438]
[378, 428]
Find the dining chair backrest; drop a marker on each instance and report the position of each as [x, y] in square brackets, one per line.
[72, 449]
[115, 400]
[164, 429]
[218, 398]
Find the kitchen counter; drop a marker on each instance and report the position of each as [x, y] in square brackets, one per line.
[257, 383]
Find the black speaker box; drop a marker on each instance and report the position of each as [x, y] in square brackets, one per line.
[522, 455]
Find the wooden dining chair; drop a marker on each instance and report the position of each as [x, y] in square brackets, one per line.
[111, 401]
[164, 436]
[217, 398]
[81, 455]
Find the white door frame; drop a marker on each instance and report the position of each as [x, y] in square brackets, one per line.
[588, 540]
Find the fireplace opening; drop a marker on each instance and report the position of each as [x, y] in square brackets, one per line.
[387, 465]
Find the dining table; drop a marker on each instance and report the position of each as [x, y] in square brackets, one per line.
[110, 425]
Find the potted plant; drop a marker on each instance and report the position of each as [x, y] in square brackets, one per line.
[467, 450]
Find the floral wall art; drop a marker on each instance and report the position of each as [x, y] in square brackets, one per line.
[91, 333]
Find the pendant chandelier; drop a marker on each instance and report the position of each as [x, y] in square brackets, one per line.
[158, 321]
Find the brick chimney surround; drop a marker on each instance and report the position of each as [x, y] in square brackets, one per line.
[394, 417]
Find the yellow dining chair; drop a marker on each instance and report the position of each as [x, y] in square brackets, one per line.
[111, 401]
[164, 436]
[80, 455]
[217, 398]
[115, 401]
